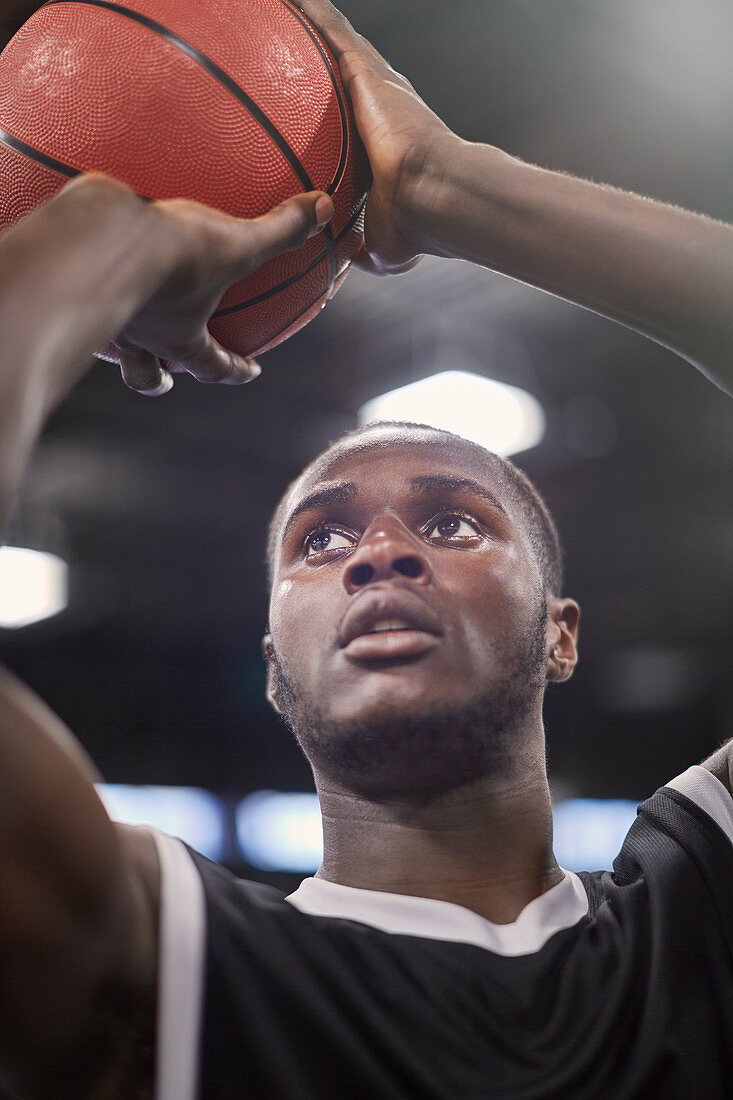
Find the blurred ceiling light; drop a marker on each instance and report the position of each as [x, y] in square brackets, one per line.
[589, 832]
[502, 418]
[280, 831]
[195, 815]
[33, 586]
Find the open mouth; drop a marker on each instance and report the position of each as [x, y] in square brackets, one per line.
[383, 625]
[390, 640]
[389, 623]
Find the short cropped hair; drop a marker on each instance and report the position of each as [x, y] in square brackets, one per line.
[539, 524]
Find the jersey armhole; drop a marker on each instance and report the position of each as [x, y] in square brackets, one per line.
[181, 945]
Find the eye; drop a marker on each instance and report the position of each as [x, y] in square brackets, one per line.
[451, 525]
[327, 538]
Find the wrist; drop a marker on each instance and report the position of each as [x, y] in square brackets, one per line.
[425, 177]
[462, 189]
[111, 252]
[114, 249]
[119, 249]
[98, 233]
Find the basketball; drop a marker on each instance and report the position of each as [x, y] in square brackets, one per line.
[237, 104]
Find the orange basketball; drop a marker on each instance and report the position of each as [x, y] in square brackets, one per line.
[235, 103]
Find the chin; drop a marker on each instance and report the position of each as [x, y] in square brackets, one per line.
[406, 746]
[384, 704]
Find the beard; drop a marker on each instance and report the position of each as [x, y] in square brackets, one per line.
[392, 753]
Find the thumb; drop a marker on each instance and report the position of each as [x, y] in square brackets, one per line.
[289, 225]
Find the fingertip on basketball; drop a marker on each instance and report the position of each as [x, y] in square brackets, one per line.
[165, 385]
[324, 210]
[254, 370]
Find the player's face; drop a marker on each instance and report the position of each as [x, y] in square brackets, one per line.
[405, 591]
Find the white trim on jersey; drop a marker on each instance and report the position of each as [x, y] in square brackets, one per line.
[182, 939]
[560, 907]
[707, 792]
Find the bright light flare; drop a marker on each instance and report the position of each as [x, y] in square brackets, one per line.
[33, 586]
[502, 418]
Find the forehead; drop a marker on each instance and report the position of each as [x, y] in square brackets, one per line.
[387, 459]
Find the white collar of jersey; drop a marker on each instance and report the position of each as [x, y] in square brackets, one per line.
[560, 907]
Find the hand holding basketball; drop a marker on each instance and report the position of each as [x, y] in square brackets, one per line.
[405, 141]
[208, 252]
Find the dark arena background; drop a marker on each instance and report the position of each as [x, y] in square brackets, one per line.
[160, 508]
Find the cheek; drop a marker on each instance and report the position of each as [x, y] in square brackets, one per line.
[279, 596]
[297, 621]
[281, 616]
[502, 599]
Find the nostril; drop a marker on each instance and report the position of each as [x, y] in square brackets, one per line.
[409, 567]
[362, 574]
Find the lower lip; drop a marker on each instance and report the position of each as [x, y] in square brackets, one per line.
[386, 644]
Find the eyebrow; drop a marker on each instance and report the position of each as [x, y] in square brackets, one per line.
[346, 491]
[444, 483]
[342, 493]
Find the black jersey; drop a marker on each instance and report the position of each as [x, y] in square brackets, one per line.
[610, 985]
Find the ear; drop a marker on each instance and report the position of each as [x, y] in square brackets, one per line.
[268, 651]
[563, 621]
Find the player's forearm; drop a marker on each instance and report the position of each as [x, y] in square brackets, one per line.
[660, 270]
[71, 275]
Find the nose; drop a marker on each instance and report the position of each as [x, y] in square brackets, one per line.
[387, 550]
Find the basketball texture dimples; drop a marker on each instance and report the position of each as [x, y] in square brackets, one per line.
[234, 103]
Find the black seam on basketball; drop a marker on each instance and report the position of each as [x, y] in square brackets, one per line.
[231, 85]
[291, 322]
[35, 154]
[330, 252]
[341, 167]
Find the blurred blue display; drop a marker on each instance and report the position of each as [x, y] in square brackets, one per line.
[192, 814]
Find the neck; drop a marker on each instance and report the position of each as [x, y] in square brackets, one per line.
[486, 845]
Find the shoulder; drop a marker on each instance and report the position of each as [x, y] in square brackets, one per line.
[86, 1024]
[123, 1026]
[119, 1040]
[141, 905]
[682, 839]
[720, 764]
